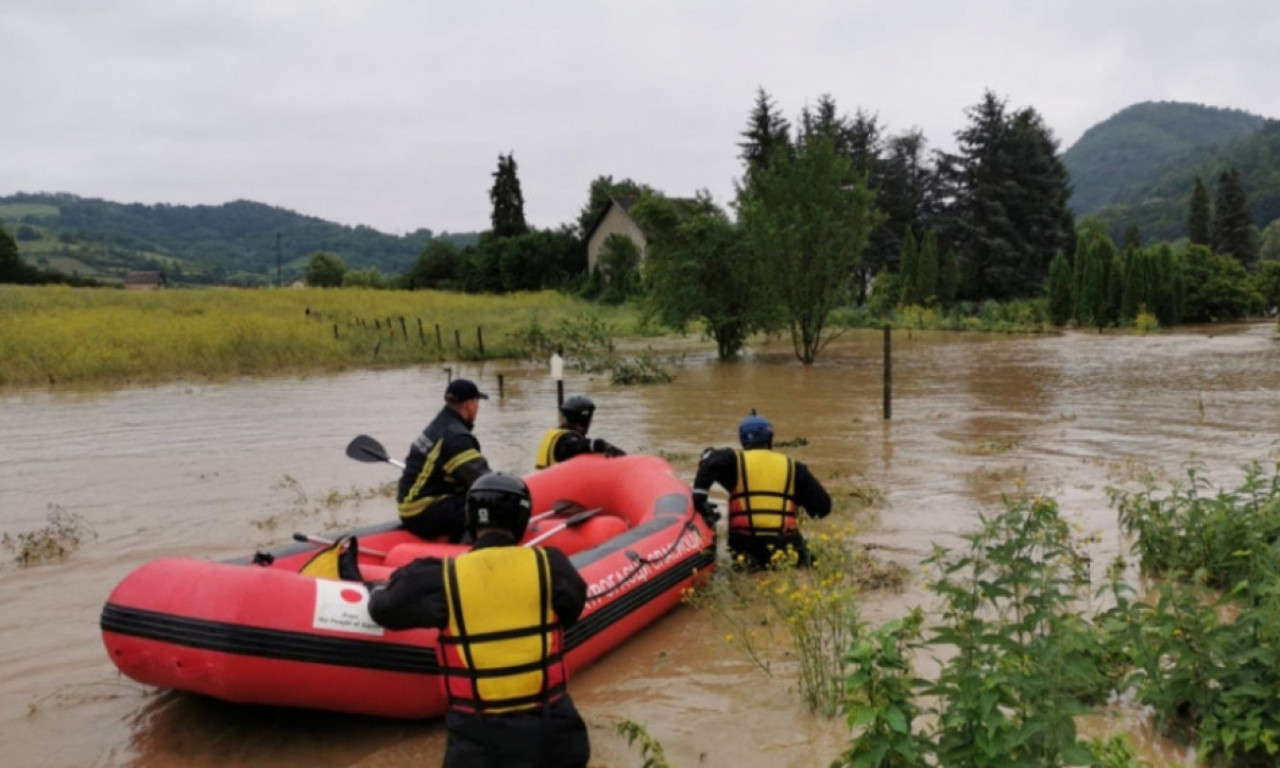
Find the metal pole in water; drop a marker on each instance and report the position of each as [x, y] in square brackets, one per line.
[888, 372]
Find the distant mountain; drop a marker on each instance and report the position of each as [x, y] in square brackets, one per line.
[235, 242]
[1124, 154]
[1159, 207]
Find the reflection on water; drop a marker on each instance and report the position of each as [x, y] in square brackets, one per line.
[217, 471]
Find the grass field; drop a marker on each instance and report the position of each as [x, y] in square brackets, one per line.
[56, 334]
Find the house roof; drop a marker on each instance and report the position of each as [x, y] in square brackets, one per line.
[143, 278]
[684, 206]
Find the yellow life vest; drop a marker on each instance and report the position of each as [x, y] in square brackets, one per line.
[501, 651]
[547, 451]
[763, 503]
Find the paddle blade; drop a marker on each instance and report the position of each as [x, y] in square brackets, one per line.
[365, 448]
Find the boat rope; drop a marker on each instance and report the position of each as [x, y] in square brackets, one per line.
[641, 562]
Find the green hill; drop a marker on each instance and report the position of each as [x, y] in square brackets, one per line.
[1160, 207]
[1121, 156]
[235, 242]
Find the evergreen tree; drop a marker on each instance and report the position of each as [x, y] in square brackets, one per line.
[1132, 238]
[904, 186]
[1096, 282]
[1199, 215]
[767, 133]
[508, 201]
[910, 261]
[927, 270]
[825, 120]
[1232, 229]
[1008, 191]
[948, 278]
[1136, 285]
[1061, 301]
[1115, 288]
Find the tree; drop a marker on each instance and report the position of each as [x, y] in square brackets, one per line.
[1269, 250]
[1061, 301]
[927, 270]
[1232, 228]
[767, 133]
[1217, 287]
[436, 267]
[598, 195]
[508, 201]
[1198, 215]
[1267, 281]
[12, 268]
[904, 186]
[325, 270]
[698, 271]
[810, 217]
[1008, 194]
[910, 261]
[948, 278]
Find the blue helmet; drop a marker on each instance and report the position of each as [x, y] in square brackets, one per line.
[755, 431]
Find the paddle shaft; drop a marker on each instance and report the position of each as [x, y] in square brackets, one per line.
[577, 519]
[317, 540]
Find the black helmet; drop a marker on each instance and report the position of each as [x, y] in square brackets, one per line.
[755, 431]
[499, 500]
[578, 411]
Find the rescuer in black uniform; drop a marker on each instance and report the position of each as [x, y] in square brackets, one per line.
[501, 610]
[570, 438]
[442, 464]
[766, 489]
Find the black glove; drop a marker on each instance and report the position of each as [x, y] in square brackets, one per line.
[710, 514]
[610, 451]
[700, 503]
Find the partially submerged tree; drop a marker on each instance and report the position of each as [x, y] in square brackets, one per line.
[698, 271]
[808, 216]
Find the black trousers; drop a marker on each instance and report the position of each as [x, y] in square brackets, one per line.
[551, 737]
[757, 550]
[446, 517]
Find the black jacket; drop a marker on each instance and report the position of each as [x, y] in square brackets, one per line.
[720, 465]
[414, 596]
[443, 461]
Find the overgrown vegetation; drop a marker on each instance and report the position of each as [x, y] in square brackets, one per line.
[804, 616]
[62, 536]
[59, 335]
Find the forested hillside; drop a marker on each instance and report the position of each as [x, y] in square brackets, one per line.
[1121, 156]
[234, 242]
[1160, 208]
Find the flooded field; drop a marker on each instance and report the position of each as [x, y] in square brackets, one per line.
[216, 471]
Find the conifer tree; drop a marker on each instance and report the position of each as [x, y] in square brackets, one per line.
[1115, 288]
[910, 261]
[1061, 301]
[508, 201]
[767, 132]
[1232, 228]
[948, 278]
[1199, 215]
[927, 270]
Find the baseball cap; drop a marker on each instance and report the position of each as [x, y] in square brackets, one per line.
[462, 390]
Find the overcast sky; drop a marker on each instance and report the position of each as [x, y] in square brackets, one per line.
[391, 113]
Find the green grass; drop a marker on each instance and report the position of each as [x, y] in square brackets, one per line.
[56, 334]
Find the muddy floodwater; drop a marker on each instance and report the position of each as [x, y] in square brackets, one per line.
[219, 470]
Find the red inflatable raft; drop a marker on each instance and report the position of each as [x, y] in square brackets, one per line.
[256, 631]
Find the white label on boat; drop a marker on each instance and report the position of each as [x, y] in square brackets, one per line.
[343, 606]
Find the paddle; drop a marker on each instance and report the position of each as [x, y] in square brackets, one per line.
[305, 539]
[577, 519]
[365, 448]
